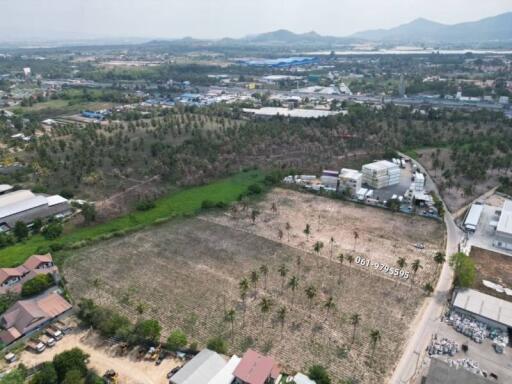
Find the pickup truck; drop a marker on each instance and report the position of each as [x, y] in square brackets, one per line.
[36, 346]
[47, 340]
[54, 333]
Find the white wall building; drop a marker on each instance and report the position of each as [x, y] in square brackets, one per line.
[351, 179]
[330, 178]
[381, 174]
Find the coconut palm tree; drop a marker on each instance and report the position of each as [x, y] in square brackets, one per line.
[254, 214]
[375, 337]
[317, 248]
[355, 319]
[401, 262]
[439, 258]
[415, 266]
[341, 259]
[254, 278]
[288, 228]
[243, 285]
[350, 260]
[329, 305]
[265, 306]
[428, 288]
[299, 263]
[310, 293]
[264, 272]
[230, 317]
[331, 243]
[281, 317]
[356, 236]
[283, 271]
[293, 283]
[307, 231]
[280, 234]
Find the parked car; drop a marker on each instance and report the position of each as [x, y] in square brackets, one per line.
[54, 332]
[47, 340]
[36, 346]
[10, 358]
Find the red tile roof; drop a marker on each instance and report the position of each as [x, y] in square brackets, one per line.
[255, 368]
[34, 261]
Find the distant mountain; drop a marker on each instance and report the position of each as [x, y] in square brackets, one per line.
[491, 29]
[285, 37]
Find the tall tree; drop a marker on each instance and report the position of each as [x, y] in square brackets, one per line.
[307, 231]
[265, 306]
[415, 266]
[243, 285]
[341, 258]
[264, 272]
[356, 236]
[310, 294]
[293, 284]
[439, 258]
[283, 271]
[230, 317]
[281, 317]
[375, 337]
[254, 277]
[329, 305]
[355, 319]
[288, 228]
[350, 260]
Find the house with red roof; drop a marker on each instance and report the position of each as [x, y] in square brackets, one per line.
[255, 368]
[12, 279]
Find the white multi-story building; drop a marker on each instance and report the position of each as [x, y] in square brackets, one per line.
[381, 174]
[351, 179]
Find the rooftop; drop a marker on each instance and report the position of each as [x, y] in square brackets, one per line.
[484, 305]
[380, 165]
[303, 113]
[201, 369]
[473, 216]
[505, 221]
[255, 368]
[441, 373]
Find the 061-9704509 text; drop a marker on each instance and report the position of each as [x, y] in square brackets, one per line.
[392, 271]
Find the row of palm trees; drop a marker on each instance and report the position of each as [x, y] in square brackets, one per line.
[266, 304]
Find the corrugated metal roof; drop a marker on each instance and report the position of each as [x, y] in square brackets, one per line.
[55, 199]
[22, 206]
[473, 216]
[505, 222]
[201, 369]
[225, 376]
[484, 305]
[14, 197]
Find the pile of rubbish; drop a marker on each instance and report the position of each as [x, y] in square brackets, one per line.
[467, 364]
[443, 347]
[474, 329]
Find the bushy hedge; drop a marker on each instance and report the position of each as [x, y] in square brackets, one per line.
[37, 285]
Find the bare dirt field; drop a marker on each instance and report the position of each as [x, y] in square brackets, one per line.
[102, 357]
[186, 274]
[492, 266]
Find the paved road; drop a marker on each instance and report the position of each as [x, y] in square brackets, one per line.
[427, 320]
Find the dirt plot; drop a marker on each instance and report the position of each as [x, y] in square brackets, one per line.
[383, 236]
[186, 274]
[492, 266]
[103, 357]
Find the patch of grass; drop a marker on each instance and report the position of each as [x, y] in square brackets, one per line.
[185, 202]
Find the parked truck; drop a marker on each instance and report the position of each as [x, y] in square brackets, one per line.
[47, 340]
[36, 346]
[53, 332]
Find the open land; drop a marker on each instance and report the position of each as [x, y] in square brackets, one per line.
[103, 357]
[186, 273]
[492, 266]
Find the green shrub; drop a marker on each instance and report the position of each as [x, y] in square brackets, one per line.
[37, 285]
[145, 205]
[52, 231]
[176, 340]
[254, 189]
[207, 204]
[465, 270]
[319, 375]
[218, 344]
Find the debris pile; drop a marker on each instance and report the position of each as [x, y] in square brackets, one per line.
[476, 330]
[443, 347]
[467, 364]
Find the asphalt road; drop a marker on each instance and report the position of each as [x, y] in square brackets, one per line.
[427, 320]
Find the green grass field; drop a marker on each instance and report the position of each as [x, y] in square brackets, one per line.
[185, 202]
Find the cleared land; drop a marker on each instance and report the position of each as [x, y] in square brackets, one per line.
[184, 202]
[186, 274]
[492, 266]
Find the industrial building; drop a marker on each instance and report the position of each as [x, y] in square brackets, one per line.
[298, 112]
[350, 179]
[381, 174]
[25, 206]
[330, 179]
[473, 217]
[281, 62]
[488, 309]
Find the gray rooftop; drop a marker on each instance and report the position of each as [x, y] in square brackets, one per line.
[441, 373]
[484, 305]
[201, 369]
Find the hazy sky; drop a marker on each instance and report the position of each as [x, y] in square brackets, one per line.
[64, 19]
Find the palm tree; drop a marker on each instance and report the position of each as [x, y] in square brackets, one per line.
[317, 248]
[288, 228]
[375, 338]
[331, 243]
[355, 319]
[274, 207]
[264, 272]
[254, 278]
[415, 266]
[254, 214]
[428, 288]
[244, 288]
[281, 316]
[350, 260]
[341, 258]
[401, 262]
[280, 234]
[329, 305]
[307, 231]
[230, 316]
[265, 306]
[439, 258]
[293, 284]
[299, 263]
[282, 272]
[310, 293]
[356, 236]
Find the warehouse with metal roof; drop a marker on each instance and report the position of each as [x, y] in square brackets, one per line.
[25, 206]
[473, 217]
[483, 307]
